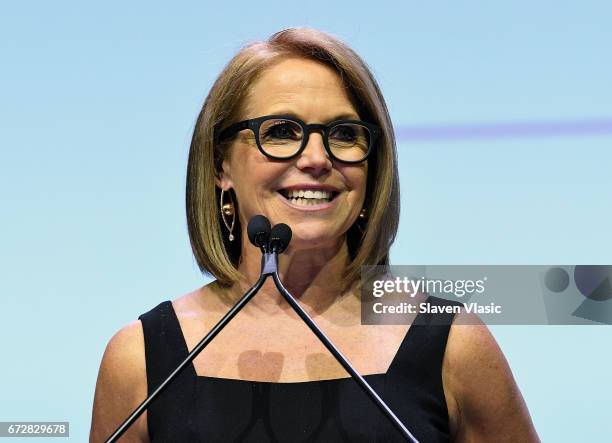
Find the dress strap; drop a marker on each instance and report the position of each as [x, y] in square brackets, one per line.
[416, 333]
[165, 346]
[425, 344]
[419, 360]
[165, 349]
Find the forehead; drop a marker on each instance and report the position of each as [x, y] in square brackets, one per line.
[306, 87]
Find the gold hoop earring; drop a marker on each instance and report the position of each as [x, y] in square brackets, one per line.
[227, 210]
[363, 214]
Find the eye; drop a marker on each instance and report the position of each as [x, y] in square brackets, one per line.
[281, 130]
[343, 133]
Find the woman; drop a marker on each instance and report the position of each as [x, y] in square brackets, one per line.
[296, 128]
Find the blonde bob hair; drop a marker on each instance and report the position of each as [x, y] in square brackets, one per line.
[368, 239]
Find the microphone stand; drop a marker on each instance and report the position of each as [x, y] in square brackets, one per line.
[340, 358]
[269, 266]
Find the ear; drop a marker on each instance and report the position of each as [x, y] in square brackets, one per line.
[224, 179]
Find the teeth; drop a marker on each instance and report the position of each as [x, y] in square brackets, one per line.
[309, 194]
[308, 201]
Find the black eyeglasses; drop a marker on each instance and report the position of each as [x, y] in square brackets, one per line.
[282, 137]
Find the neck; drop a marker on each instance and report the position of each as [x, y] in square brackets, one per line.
[313, 276]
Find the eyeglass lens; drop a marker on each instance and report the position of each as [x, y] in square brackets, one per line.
[282, 138]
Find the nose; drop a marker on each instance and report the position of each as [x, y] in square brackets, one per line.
[313, 158]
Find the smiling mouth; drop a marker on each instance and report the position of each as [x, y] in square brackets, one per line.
[308, 197]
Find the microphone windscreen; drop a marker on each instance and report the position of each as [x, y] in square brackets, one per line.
[258, 229]
[281, 236]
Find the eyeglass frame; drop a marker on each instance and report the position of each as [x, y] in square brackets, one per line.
[254, 124]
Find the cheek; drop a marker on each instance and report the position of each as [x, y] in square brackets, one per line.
[356, 177]
[255, 180]
[250, 170]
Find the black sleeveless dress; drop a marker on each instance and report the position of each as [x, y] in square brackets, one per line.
[209, 409]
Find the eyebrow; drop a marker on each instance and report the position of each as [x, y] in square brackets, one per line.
[343, 116]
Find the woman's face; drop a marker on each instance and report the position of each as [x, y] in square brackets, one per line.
[312, 92]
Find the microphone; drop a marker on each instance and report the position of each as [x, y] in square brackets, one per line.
[258, 231]
[280, 236]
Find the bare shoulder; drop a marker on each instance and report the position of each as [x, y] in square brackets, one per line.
[121, 386]
[201, 309]
[205, 300]
[485, 404]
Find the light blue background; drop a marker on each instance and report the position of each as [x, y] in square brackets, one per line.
[97, 105]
